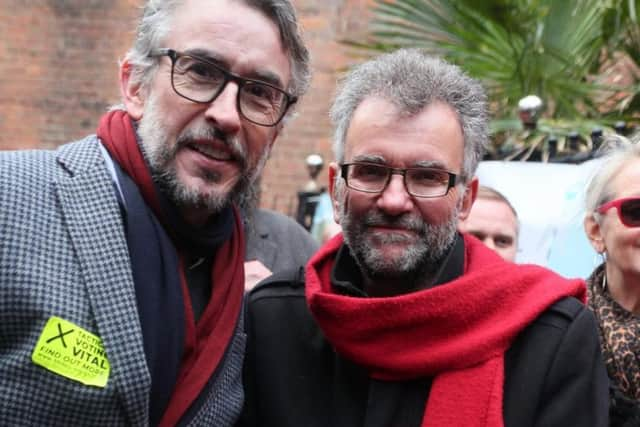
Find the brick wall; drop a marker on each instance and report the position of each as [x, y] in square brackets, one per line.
[59, 73]
[325, 23]
[58, 67]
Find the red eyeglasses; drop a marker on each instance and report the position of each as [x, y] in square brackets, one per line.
[628, 210]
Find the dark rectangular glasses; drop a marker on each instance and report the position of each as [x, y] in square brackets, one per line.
[200, 80]
[419, 182]
[628, 210]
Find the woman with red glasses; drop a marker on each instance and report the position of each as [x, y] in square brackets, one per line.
[612, 224]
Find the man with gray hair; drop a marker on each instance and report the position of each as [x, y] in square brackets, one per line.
[400, 320]
[121, 255]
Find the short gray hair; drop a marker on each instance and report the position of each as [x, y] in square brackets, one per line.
[412, 80]
[617, 152]
[155, 24]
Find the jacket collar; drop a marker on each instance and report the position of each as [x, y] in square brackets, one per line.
[91, 211]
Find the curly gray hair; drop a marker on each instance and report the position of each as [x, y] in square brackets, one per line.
[412, 80]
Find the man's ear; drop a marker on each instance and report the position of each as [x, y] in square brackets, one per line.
[132, 94]
[468, 198]
[334, 171]
[593, 230]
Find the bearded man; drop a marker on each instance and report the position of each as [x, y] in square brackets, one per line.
[401, 320]
[121, 255]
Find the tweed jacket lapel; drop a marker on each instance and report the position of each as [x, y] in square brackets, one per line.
[91, 211]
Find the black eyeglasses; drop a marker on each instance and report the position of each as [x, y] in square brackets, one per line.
[419, 182]
[200, 80]
[628, 210]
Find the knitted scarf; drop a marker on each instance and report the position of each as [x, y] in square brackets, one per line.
[206, 342]
[457, 332]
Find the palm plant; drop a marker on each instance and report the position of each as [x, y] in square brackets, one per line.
[622, 29]
[551, 48]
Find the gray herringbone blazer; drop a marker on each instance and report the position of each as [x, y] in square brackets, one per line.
[63, 253]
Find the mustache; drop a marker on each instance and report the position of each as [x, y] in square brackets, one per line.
[406, 221]
[192, 136]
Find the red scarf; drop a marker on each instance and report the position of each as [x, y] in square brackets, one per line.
[206, 342]
[457, 332]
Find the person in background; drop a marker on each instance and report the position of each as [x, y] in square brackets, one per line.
[612, 225]
[121, 255]
[401, 320]
[275, 242]
[324, 225]
[494, 221]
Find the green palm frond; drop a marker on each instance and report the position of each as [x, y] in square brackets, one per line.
[549, 48]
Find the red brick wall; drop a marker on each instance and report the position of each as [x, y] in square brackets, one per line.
[58, 67]
[325, 23]
[59, 73]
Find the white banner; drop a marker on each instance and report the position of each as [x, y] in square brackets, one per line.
[549, 200]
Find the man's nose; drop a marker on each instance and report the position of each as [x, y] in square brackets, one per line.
[223, 111]
[395, 199]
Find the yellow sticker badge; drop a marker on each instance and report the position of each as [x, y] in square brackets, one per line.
[73, 352]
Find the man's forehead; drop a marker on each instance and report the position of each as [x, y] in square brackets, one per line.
[491, 213]
[236, 36]
[383, 159]
[488, 204]
[430, 137]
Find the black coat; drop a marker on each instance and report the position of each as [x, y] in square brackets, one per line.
[554, 375]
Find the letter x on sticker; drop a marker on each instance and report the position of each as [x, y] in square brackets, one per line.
[61, 335]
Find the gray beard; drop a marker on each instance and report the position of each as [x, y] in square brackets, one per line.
[419, 262]
[183, 196]
[160, 153]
